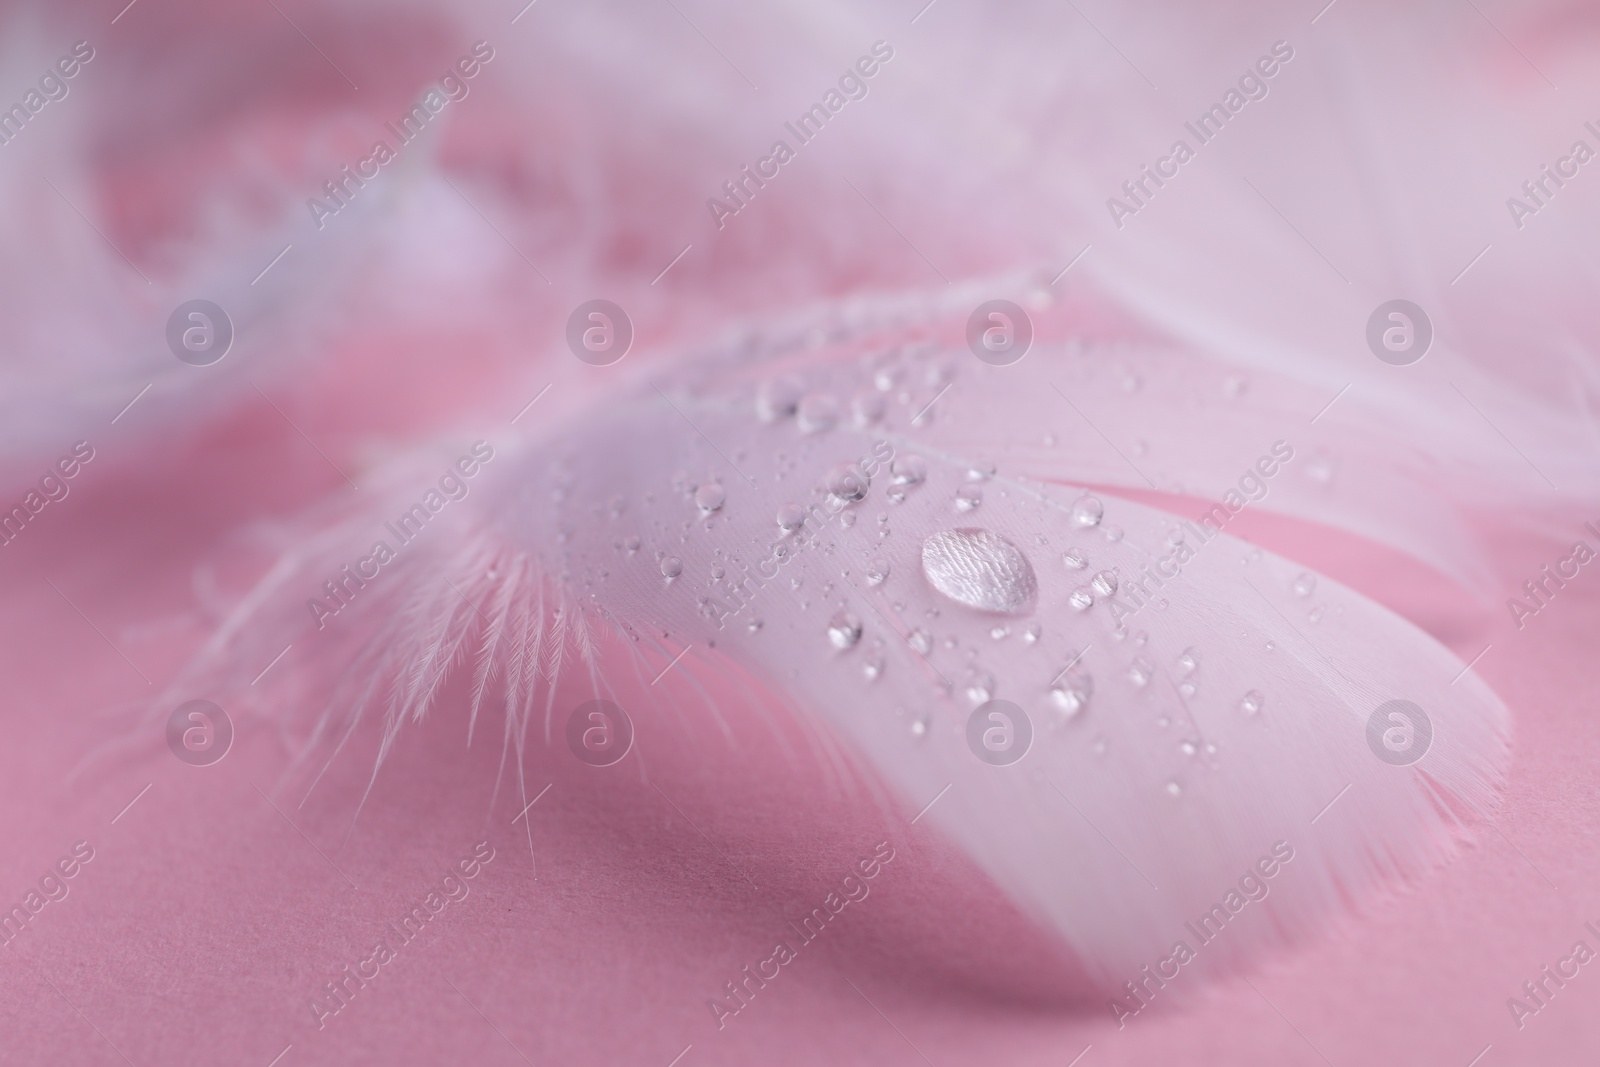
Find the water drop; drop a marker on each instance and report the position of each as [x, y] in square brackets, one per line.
[873, 668]
[968, 497]
[979, 569]
[909, 470]
[868, 408]
[1100, 746]
[1174, 790]
[1081, 599]
[1252, 702]
[1314, 616]
[717, 571]
[1187, 747]
[877, 571]
[848, 482]
[1272, 646]
[1031, 633]
[999, 633]
[1113, 533]
[818, 412]
[980, 687]
[1105, 583]
[1188, 688]
[980, 472]
[1087, 511]
[1304, 584]
[1140, 671]
[920, 725]
[631, 544]
[671, 567]
[844, 630]
[754, 625]
[777, 399]
[1071, 695]
[709, 497]
[791, 516]
[921, 641]
[1075, 558]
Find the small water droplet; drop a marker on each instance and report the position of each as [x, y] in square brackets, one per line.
[1140, 671]
[1272, 646]
[1252, 702]
[1105, 583]
[980, 687]
[921, 641]
[631, 544]
[968, 497]
[848, 482]
[1071, 695]
[1314, 616]
[873, 668]
[671, 567]
[777, 399]
[791, 516]
[1075, 558]
[1100, 746]
[754, 625]
[1113, 533]
[868, 408]
[1187, 747]
[877, 571]
[1031, 633]
[1188, 661]
[1188, 688]
[921, 724]
[1087, 511]
[717, 571]
[1304, 584]
[980, 472]
[908, 470]
[1081, 599]
[818, 413]
[709, 497]
[844, 630]
[1174, 790]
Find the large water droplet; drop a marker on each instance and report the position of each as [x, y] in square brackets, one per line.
[818, 412]
[979, 569]
[1087, 511]
[844, 630]
[848, 482]
[671, 567]
[709, 497]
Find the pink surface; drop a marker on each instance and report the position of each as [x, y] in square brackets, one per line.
[206, 924]
[217, 905]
